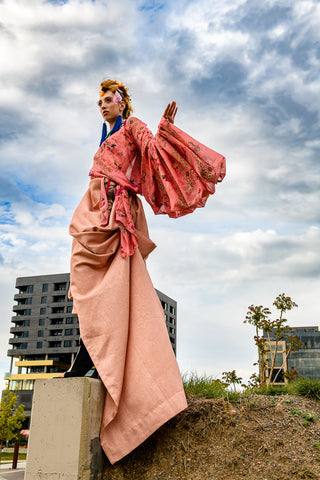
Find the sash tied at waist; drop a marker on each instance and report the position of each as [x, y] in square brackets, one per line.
[128, 234]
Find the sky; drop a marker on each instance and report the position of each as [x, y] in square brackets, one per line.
[245, 76]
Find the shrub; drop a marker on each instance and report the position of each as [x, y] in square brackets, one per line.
[306, 387]
[207, 387]
[269, 390]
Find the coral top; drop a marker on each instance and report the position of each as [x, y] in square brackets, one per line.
[174, 173]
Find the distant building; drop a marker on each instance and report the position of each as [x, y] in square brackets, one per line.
[46, 332]
[306, 361]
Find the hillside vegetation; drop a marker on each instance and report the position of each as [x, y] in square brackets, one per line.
[259, 437]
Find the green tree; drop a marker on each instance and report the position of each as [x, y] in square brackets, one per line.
[231, 378]
[258, 316]
[11, 418]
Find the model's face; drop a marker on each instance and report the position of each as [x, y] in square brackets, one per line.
[109, 108]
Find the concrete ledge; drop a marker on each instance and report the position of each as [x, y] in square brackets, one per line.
[64, 439]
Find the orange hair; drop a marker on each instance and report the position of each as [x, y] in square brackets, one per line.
[115, 86]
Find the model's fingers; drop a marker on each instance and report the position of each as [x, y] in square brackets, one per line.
[172, 107]
[166, 112]
[175, 112]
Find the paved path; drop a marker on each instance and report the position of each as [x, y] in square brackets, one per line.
[12, 474]
[7, 465]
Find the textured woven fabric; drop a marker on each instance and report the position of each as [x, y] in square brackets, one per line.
[121, 319]
[174, 172]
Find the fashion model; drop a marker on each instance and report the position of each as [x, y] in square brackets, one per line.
[122, 326]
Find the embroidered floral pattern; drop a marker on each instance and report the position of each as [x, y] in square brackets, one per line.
[174, 172]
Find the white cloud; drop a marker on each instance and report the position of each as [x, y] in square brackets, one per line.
[250, 93]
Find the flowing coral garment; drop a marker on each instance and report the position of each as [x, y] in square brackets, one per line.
[121, 319]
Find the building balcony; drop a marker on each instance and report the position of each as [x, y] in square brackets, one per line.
[16, 308]
[21, 296]
[31, 376]
[56, 326]
[56, 322]
[60, 287]
[14, 353]
[18, 328]
[55, 333]
[59, 299]
[21, 310]
[40, 363]
[57, 310]
[13, 341]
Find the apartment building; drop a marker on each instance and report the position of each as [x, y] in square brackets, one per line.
[45, 332]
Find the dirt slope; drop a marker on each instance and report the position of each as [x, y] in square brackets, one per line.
[259, 438]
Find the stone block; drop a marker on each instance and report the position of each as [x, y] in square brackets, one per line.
[64, 439]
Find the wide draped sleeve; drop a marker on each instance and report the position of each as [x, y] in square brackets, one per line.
[173, 171]
[177, 173]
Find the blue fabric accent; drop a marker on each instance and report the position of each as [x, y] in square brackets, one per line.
[116, 127]
[104, 134]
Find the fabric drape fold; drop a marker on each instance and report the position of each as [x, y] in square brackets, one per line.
[122, 322]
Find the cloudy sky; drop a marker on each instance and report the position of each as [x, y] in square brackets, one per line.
[245, 75]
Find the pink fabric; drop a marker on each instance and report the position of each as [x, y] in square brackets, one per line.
[121, 319]
[123, 327]
[174, 172]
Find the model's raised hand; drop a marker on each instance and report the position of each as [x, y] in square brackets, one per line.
[170, 112]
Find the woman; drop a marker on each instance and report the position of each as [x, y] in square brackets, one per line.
[121, 319]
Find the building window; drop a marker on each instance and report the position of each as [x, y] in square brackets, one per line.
[41, 321]
[67, 343]
[25, 334]
[69, 309]
[68, 331]
[52, 370]
[27, 311]
[40, 333]
[26, 289]
[172, 310]
[60, 286]
[78, 331]
[172, 331]
[43, 299]
[45, 287]
[43, 310]
[69, 320]
[57, 309]
[24, 345]
[164, 305]
[26, 323]
[54, 344]
[36, 369]
[39, 344]
[55, 333]
[59, 298]
[56, 321]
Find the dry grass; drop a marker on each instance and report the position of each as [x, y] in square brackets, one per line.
[257, 438]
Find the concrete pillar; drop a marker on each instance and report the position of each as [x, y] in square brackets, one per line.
[64, 439]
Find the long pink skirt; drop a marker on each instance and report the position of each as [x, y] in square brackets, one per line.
[123, 327]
